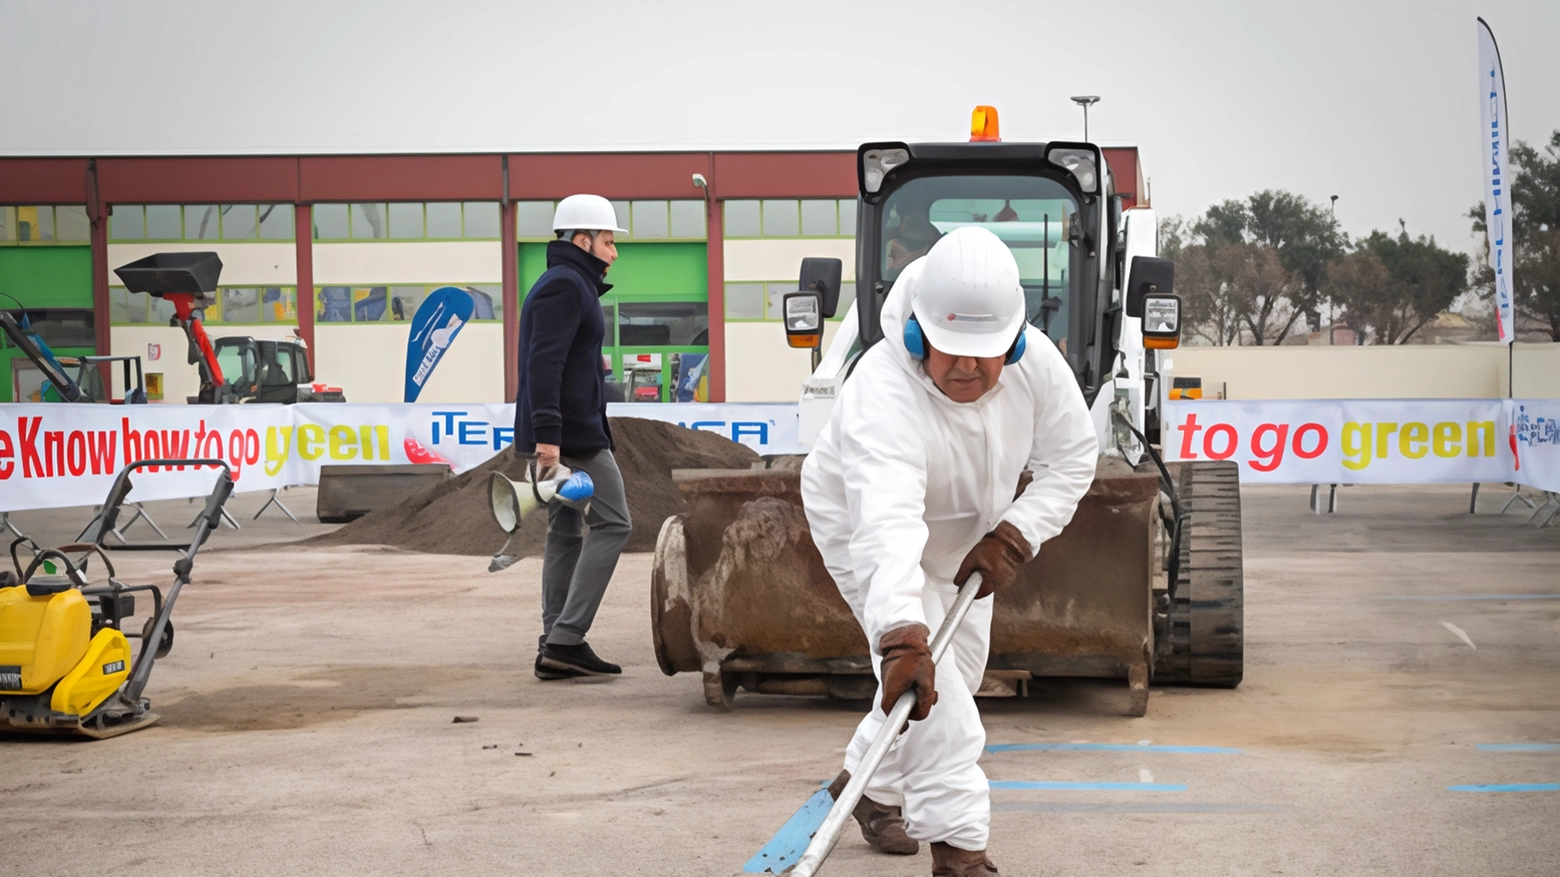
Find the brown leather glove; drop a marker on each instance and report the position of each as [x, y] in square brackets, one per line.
[998, 557]
[907, 664]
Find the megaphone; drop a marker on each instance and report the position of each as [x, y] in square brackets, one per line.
[513, 501]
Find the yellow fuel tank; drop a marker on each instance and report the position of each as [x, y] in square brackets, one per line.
[42, 638]
[101, 671]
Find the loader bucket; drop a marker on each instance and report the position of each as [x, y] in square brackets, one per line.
[741, 595]
[348, 492]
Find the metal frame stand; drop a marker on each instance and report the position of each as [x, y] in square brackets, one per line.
[140, 514]
[1548, 513]
[5, 524]
[1332, 499]
[1516, 496]
[275, 500]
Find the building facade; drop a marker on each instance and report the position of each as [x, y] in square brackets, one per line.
[340, 250]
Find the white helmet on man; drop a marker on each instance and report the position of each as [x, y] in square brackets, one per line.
[967, 297]
[586, 213]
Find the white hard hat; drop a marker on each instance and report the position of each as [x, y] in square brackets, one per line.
[968, 298]
[586, 212]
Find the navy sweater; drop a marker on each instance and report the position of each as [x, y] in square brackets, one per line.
[563, 395]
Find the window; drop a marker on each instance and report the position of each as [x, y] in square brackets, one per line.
[482, 220]
[330, 222]
[126, 222]
[58, 327]
[195, 222]
[781, 219]
[276, 222]
[395, 304]
[663, 323]
[744, 301]
[44, 223]
[764, 301]
[533, 219]
[230, 304]
[650, 219]
[240, 222]
[443, 219]
[621, 209]
[368, 221]
[164, 222]
[786, 218]
[743, 219]
[688, 219]
[406, 220]
[820, 218]
[201, 223]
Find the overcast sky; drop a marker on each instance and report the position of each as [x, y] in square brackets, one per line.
[1376, 102]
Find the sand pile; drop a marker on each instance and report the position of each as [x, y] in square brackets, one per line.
[454, 518]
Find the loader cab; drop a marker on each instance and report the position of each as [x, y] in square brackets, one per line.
[263, 371]
[1051, 205]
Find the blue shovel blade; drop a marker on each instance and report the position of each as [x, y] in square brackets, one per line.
[792, 839]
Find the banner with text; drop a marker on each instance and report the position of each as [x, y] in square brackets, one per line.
[55, 456]
[1373, 441]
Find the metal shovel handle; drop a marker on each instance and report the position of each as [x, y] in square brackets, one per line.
[829, 833]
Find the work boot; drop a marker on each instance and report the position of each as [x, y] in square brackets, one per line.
[882, 826]
[579, 659]
[950, 861]
[549, 674]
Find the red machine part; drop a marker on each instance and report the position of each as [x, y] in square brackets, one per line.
[184, 309]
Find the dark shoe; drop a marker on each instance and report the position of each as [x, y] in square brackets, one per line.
[950, 861]
[549, 674]
[577, 659]
[882, 827]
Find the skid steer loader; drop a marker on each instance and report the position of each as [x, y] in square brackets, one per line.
[1145, 583]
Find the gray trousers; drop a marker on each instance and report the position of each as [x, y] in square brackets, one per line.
[576, 568]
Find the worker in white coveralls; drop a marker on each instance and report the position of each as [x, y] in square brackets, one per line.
[911, 489]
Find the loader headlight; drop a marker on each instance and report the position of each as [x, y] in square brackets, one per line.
[1081, 163]
[876, 163]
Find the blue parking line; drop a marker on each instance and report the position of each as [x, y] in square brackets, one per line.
[1088, 787]
[1519, 747]
[1109, 747]
[1508, 787]
[1439, 597]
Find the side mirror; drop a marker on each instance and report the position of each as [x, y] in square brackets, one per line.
[1149, 276]
[803, 318]
[823, 277]
[1161, 321]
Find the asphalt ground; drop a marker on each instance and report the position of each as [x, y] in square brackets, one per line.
[1396, 652]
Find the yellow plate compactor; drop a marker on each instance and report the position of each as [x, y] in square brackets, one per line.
[66, 665]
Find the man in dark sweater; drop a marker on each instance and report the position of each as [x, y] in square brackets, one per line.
[561, 417]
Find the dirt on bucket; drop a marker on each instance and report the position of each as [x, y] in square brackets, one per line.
[454, 517]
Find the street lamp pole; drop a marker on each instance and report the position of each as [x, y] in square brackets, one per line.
[1086, 101]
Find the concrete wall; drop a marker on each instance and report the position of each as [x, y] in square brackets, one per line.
[243, 263]
[368, 361]
[1404, 372]
[388, 264]
[748, 260]
[761, 367]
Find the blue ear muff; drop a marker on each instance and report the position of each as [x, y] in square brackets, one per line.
[1017, 352]
[915, 342]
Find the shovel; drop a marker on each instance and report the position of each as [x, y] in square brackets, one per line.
[779, 853]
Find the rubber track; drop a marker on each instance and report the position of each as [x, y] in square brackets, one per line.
[1207, 603]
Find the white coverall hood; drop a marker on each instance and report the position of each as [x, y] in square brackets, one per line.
[902, 483]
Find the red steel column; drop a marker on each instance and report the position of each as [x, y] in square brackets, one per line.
[511, 304]
[102, 336]
[716, 261]
[303, 240]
